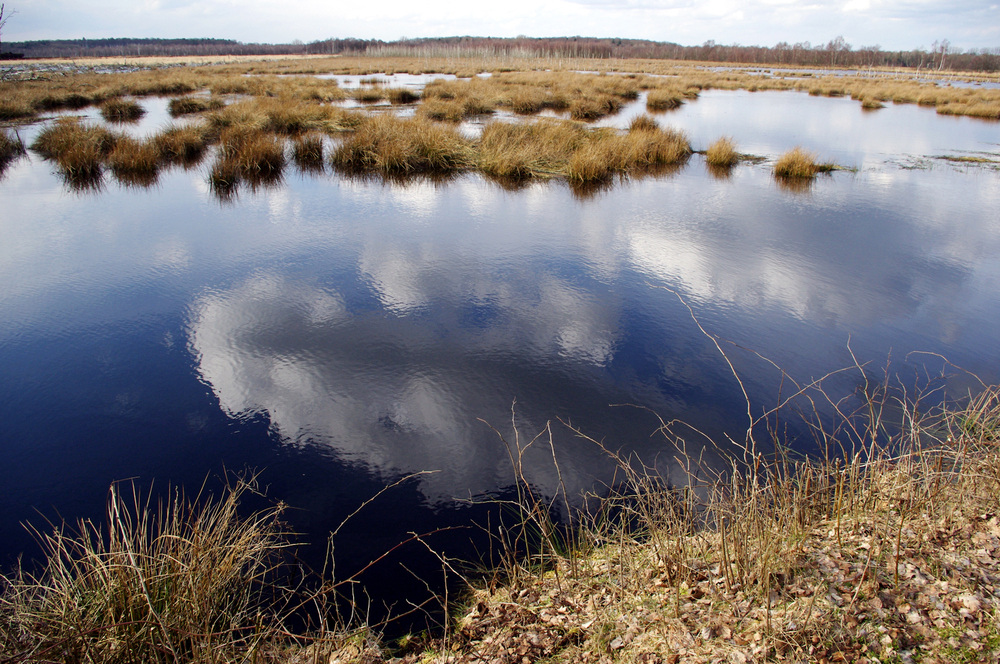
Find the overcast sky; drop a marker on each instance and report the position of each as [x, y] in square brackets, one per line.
[892, 24]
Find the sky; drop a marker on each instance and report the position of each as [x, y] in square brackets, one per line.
[891, 24]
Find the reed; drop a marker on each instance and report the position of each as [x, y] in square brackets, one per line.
[722, 153]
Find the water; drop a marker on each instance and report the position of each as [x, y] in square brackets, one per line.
[337, 334]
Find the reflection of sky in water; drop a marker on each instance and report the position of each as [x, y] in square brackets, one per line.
[768, 123]
[376, 323]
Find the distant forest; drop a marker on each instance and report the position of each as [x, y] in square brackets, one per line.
[836, 52]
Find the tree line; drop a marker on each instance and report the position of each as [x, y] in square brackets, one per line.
[836, 52]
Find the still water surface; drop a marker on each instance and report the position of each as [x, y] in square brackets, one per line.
[338, 333]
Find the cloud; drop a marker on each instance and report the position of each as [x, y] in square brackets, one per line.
[901, 24]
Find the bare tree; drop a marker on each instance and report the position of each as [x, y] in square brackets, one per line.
[3, 21]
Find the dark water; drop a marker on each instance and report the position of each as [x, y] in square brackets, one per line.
[338, 334]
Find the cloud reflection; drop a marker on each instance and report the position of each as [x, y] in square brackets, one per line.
[397, 393]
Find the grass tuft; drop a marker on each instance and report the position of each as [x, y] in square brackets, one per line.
[643, 123]
[722, 153]
[122, 110]
[189, 105]
[796, 163]
[663, 100]
[78, 149]
[135, 162]
[387, 144]
[185, 580]
[307, 151]
[181, 144]
[402, 95]
[11, 149]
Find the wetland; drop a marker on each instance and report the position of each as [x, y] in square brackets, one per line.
[341, 273]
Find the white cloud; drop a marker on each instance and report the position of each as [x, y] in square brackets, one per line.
[900, 24]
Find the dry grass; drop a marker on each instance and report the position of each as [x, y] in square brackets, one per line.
[722, 153]
[135, 162]
[886, 546]
[796, 163]
[402, 95]
[520, 151]
[663, 99]
[307, 151]
[181, 144]
[246, 154]
[523, 85]
[11, 149]
[386, 144]
[77, 148]
[368, 94]
[183, 581]
[122, 110]
[189, 105]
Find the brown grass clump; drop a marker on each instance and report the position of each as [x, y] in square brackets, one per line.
[663, 99]
[643, 123]
[181, 144]
[402, 95]
[520, 151]
[77, 148]
[187, 580]
[442, 110]
[255, 153]
[594, 108]
[722, 153]
[11, 149]
[390, 145]
[796, 163]
[122, 110]
[368, 94]
[607, 152]
[135, 162]
[307, 151]
[283, 116]
[189, 105]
